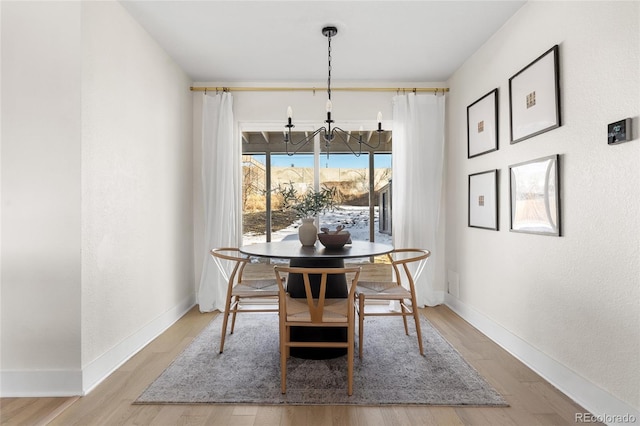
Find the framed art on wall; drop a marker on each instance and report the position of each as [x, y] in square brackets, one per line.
[534, 97]
[482, 125]
[535, 196]
[483, 200]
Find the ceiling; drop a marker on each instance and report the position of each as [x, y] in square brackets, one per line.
[231, 42]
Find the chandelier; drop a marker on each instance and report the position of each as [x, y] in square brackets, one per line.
[329, 133]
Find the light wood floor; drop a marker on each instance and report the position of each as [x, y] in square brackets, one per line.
[532, 400]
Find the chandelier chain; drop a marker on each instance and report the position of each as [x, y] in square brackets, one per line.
[329, 78]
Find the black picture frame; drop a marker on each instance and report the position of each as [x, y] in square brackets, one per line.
[534, 188]
[534, 97]
[483, 200]
[482, 125]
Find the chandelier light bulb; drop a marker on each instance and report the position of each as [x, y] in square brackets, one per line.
[329, 105]
[289, 112]
[379, 119]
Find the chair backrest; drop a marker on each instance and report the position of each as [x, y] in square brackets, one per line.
[231, 254]
[316, 306]
[405, 257]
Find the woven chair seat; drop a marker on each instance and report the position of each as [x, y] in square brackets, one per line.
[382, 290]
[256, 288]
[335, 310]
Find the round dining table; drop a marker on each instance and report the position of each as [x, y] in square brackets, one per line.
[292, 249]
[316, 256]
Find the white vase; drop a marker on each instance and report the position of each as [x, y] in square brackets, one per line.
[308, 233]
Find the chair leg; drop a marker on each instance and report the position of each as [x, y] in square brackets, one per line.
[405, 312]
[236, 304]
[350, 351]
[360, 323]
[287, 349]
[416, 317]
[225, 320]
[224, 330]
[283, 373]
[284, 349]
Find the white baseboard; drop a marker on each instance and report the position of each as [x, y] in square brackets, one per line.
[40, 383]
[59, 383]
[600, 403]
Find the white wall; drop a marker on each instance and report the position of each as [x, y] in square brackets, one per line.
[137, 229]
[574, 298]
[96, 194]
[41, 194]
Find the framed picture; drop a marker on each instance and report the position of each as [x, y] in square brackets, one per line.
[535, 196]
[483, 200]
[482, 125]
[534, 97]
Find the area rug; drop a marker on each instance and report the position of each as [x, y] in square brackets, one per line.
[391, 372]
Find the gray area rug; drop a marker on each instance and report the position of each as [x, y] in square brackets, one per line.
[392, 372]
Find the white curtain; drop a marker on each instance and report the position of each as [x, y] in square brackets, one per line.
[221, 182]
[418, 151]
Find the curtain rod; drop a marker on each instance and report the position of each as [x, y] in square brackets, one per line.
[435, 90]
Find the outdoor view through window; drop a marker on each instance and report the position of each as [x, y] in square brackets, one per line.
[361, 188]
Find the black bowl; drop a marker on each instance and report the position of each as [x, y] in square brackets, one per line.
[335, 241]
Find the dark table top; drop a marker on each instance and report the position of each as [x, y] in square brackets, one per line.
[294, 250]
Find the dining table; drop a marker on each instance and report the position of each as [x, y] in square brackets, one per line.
[316, 256]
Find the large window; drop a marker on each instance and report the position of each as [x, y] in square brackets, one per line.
[358, 182]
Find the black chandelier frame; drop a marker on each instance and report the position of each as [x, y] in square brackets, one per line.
[329, 132]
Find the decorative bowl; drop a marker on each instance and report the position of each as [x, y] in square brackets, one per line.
[334, 240]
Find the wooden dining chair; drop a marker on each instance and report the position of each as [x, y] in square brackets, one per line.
[239, 288]
[394, 290]
[316, 311]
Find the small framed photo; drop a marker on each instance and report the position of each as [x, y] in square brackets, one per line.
[482, 125]
[535, 196]
[534, 97]
[483, 200]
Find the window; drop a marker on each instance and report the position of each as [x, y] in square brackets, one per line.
[358, 181]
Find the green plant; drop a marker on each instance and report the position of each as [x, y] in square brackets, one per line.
[309, 204]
